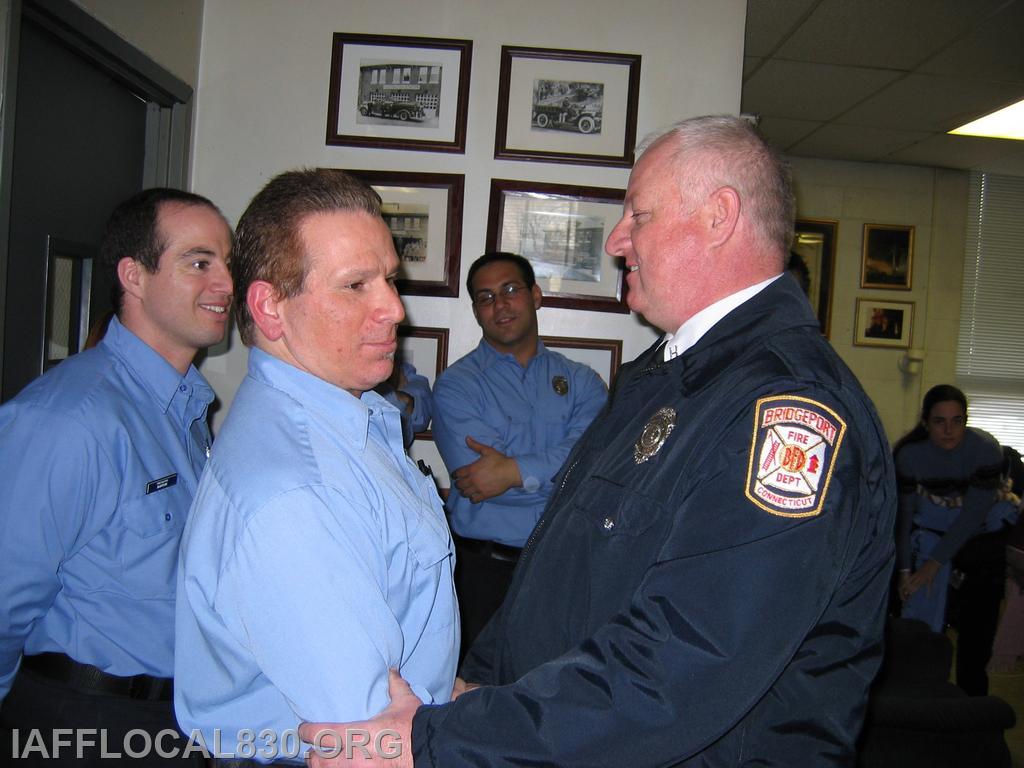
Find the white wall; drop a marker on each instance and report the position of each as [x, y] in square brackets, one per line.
[168, 31]
[934, 202]
[262, 109]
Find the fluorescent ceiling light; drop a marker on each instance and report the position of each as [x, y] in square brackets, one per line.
[1007, 123]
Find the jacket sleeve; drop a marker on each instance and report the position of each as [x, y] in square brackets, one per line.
[733, 595]
[51, 487]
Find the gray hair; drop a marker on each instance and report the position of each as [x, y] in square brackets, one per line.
[733, 153]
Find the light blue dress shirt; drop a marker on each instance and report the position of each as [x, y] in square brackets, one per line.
[316, 558]
[489, 396]
[99, 460]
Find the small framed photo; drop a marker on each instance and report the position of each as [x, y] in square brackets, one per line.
[567, 106]
[603, 355]
[882, 323]
[814, 242]
[426, 349]
[394, 92]
[561, 229]
[424, 213]
[888, 256]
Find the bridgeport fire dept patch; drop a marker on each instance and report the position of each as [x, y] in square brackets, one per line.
[795, 444]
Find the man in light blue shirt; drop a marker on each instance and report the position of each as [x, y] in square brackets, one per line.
[316, 556]
[410, 393]
[506, 416]
[99, 460]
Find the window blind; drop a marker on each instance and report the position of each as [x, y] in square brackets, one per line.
[990, 351]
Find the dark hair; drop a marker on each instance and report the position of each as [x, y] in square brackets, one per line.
[132, 231]
[269, 246]
[798, 267]
[492, 257]
[940, 393]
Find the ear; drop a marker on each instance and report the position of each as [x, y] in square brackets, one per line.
[265, 308]
[538, 296]
[130, 274]
[724, 214]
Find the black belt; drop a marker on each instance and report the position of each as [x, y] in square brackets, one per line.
[491, 549]
[90, 679]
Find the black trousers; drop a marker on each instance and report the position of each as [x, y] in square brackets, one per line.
[36, 707]
[974, 607]
[483, 573]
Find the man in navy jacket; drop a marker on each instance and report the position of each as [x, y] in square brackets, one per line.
[707, 585]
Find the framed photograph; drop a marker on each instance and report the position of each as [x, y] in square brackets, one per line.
[561, 229]
[563, 106]
[427, 350]
[394, 92]
[424, 212]
[603, 355]
[887, 257]
[815, 243]
[68, 295]
[882, 323]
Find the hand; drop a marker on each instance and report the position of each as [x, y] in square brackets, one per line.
[384, 741]
[461, 687]
[489, 476]
[922, 577]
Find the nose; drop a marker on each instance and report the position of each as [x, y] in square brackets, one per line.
[391, 309]
[618, 240]
[220, 278]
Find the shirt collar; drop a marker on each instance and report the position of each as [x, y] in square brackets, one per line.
[690, 332]
[347, 414]
[495, 354]
[151, 369]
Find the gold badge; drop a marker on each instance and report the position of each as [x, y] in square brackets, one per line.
[655, 434]
[561, 385]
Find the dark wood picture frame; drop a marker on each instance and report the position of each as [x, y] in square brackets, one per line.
[528, 126]
[405, 117]
[446, 284]
[613, 347]
[580, 206]
[815, 242]
[439, 358]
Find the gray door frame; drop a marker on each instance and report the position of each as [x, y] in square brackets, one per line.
[168, 100]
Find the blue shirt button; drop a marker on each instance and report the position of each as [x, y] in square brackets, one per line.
[167, 517]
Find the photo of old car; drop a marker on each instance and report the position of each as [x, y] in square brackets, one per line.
[566, 118]
[393, 110]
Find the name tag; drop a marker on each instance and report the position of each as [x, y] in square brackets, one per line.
[164, 482]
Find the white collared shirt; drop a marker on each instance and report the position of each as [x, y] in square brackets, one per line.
[692, 330]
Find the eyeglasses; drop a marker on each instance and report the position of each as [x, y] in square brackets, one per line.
[487, 298]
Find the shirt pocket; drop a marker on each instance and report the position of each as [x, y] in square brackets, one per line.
[160, 513]
[429, 539]
[613, 511]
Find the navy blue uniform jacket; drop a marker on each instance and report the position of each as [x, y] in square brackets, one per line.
[679, 611]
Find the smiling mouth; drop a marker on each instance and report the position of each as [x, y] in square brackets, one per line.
[217, 309]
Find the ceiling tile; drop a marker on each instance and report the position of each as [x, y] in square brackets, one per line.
[966, 152]
[809, 91]
[930, 103]
[783, 133]
[993, 51]
[882, 33]
[847, 142]
[770, 21]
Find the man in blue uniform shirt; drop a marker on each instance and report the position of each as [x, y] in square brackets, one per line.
[99, 460]
[507, 415]
[707, 585]
[317, 555]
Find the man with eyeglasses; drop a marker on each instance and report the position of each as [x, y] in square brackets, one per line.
[505, 417]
